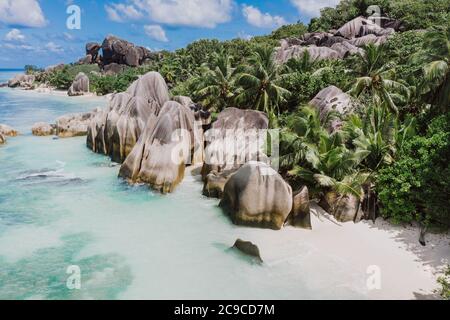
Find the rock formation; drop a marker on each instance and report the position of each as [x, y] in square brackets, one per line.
[23, 81]
[232, 141]
[332, 99]
[257, 196]
[248, 248]
[344, 208]
[164, 149]
[120, 51]
[115, 130]
[79, 86]
[43, 129]
[8, 131]
[74, 125]
[300, 215]
[2, 139]
[337, 44]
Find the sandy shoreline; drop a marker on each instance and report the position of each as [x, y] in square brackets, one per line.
[408, 270]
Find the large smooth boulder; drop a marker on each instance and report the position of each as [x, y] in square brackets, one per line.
[300, 215]
[236, 137]
[23, 81]
[345, 208]
[332, 99]
[74, 125]
[164, 149]
[345, 48]
[80, 85]
[8, 131]
[116, 129]
[257, 196]
[43, 129]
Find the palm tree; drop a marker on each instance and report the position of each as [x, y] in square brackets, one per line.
[436, 72]
[304, 63]
[258, 81]
[376, 78]
[380, 133]
[216, 84]
[319, 158]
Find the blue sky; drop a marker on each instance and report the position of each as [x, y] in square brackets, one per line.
[35, 31]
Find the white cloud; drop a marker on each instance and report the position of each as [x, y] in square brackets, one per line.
[26, 13]
[15, 35]
[119, 12]
[156, 32]
[53, 47]
[262, 20]
[311, 8]
[193, 13]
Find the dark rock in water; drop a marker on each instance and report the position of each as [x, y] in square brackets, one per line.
[248, 248]
[300, 216]
[214, 184]
[3, 85]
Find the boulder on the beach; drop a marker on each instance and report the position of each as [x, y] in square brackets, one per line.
[248, 248]
[214, 184]
[2, 139]
[23, 81]
[74, 125]
[300, 215]
[332, 99]
[164, 149]
[236, 137]
[345, 208]
[116, 129]
[79, 86]
[257, 196]
[8, 131]
[43, 129]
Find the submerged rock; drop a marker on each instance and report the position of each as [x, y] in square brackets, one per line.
[164, 149]
[116, 129]
[8, 131]
[248, 248]
[257, 196]
[43, 129]
[79, 86]
[300, 215]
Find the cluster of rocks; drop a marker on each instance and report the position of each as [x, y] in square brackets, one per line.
[115, 53]
[67, 126]
[338, 44]
[7, 131]
[24, 81]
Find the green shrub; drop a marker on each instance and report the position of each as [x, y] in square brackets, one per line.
[417, 186]
[444, 281]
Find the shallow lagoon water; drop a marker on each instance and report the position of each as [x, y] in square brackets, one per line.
[62, 205]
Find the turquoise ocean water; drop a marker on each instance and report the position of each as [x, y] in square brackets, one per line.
[62, 205]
